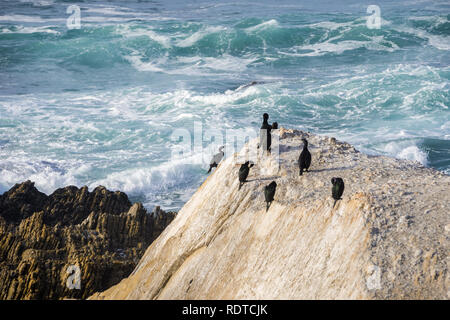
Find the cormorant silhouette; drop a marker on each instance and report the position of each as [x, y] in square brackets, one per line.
[216, 159]
[337, 190]
[304, 161]
[244, 170]
[269, 193]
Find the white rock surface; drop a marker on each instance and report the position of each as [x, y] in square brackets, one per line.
[387, 239]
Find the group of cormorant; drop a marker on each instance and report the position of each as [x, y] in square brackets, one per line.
[304, 162]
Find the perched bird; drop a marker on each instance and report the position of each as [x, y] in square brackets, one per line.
[216, 159]
[243, 173]
[265, 124]
[337, 190]
[265, 137]
[274, 125]
[304, 161]
[269, 193]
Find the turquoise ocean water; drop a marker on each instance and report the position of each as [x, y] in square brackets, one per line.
[98, 105]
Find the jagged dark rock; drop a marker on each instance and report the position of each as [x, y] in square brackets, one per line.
[20, 202]
[41, 236]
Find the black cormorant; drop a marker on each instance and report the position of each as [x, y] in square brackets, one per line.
[337, 190]
[243, 173]
[269, 193]
[304, 161]
[265, 137]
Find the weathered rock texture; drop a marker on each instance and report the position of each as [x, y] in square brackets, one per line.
[41, 236]
[387, 239]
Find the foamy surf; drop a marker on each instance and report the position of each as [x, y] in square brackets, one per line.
[99, 104]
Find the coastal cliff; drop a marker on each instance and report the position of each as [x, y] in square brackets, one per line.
[41, 236]
[388, 238]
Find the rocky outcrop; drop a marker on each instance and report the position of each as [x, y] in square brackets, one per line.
[45, 239]
[388, 238]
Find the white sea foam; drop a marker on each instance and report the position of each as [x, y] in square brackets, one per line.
[226, 62]
[228, 97]
[437, 41]
[181, 99]
[406, 150]
[326, 47]
[21, 18]
[129, 32]
[200, 66]
[105, 20]
[194, 38]
[39, 3]
[263, 25]
[436, 20]
[111, 11]
[31, 19]
[119, 13]
[28, 30]
[330, 25]
[47, 176]
[138, 64]
[172, 173]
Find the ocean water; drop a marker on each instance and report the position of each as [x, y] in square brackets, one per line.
[99, 104]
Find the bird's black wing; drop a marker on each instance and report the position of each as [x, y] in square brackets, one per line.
[307, 159]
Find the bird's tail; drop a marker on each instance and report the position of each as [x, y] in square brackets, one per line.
[301, 171]
[268, 205]
[210, 167]
[334, 203]
[240, 185]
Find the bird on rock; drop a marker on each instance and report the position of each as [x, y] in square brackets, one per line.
[304, 161]
[244, 170]
[265, 136]
[269, 193]
[337, 190]
[216, 159]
